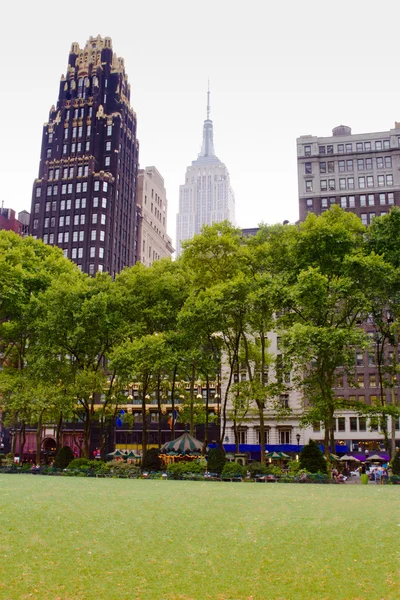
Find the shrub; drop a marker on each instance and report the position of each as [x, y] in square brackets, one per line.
[233, 469]
[257, 468]
[63, 458]
[85, 463]
[151, 461]
[216, 460]
[396, 464]
[312, 459]
[177, 470]
[294, 466]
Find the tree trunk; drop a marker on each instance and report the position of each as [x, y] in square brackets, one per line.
[58, 432]
[144, 416]
[159, 410]
[22, 440]
[87, 430]
[262, 432]
[393, 428]
[173, 402]
[192, 400]
[206, 423]
[39, 437]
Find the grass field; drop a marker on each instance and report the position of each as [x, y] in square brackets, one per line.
[78, 538]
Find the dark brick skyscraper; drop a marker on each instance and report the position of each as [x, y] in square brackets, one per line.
[84, 199]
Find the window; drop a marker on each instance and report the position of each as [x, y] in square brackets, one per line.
[329, 149]
[362, 424]
[109, 129]
[359, 147]
[108, 148]
[350, 183]
[79, 147]
[341, 424]
[342, 184]
[368, 164]
[370, 181]
[360, 164]
[382, 199]
[46, 222]
[381, 180]
[84, 186]
[372, 379]
[373, 422]
[88, 130]
[80, 252]
[48, 206]
[324, 185]
[361, 182]
[339, 380]
[378, 145]
[35, 223]
[353, 424]
[66, 237]
[379, 162]
[308, 185]
[349, 148]
[389, 179]
[77, 203]
[342, 166]
[371, 200]
[69, 188]
[86, 170]
[309, 202]
[87, 146]
[371, 216]
[371, 360]
[81, 236]
[285, 436]
[107, 161]
[349, 165]
[388, 162]
[82, 219]
[92, 251]
[390, 198]
[331, 184]
[307, 149]
[322, 149]
[307, 168]
[360, 379]
[340, 148]
[74, 253]
[83, 202]
[105, 186]
[94, 219]
[38, 192]
[101, 252]
[69, 204]
[49, 190]
[331, 166]
[367, 146]
[60, 238]
[324, 202]
[95, 202]
[96, 186]
[52, 222]
[102, 235]
[343, 202]
[103, 219]
[37, 207]
[76, 220]
[386, 144]
[80, 131]
[65, 149]
[45, 238]
[352, 201]
[51, 238]
[104, 202]
[93, 235]
[75, 236]
[359, 359]
[61, 222]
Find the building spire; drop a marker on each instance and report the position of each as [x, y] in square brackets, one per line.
[208, 100]
[207, 149]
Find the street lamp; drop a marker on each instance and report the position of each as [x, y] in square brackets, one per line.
[298, 439]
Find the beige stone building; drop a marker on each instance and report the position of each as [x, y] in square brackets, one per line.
[153, 240]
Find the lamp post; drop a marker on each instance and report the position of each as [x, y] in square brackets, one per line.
[298, 440]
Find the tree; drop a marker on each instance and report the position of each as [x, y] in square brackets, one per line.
[216, 460]
[312, 459]
[63, 458]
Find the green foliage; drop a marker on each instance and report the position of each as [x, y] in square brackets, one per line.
[312, 459]
[85, 463]
[216, 460]
[233, 469]
[293, 466]
[176, 470]
[257, 468]
[151, 460]
[396, 464]
[63, 457]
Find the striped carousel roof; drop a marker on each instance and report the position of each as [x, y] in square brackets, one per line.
[185, 444]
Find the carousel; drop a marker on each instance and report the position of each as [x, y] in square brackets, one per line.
[185, 447]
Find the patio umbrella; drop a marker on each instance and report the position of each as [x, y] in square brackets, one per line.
[274, 455]
[376, 457]
[283, 455]
[346, 457]
[132, 454]
[334, 457]
[116, 453]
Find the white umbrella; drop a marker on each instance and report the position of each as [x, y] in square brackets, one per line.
[346, 457]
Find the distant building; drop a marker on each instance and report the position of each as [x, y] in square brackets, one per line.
[9, 222]
[360, 172]
[24, 218]
[206, 197]
[84, 199]
[152, 203]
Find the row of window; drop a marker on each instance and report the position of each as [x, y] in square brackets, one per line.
[348, 147]
[67, 204]
[77, 236]
[66, 221]
[354, 201]
[67, 188]
[382, 162]
[352, 424]
[77, 132]
[349, 183]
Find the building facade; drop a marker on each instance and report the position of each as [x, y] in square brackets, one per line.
[84, 199]
[360, 173]
[206, 197]
[9, 222]
[153, 241]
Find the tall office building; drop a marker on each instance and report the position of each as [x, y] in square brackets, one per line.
[154, 242]
[84, 199]
[359, 172]
[206, 197]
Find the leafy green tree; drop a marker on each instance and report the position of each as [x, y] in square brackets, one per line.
[63, 458]
[396, 463]
[312, 459]
[216, 460]
[151, 460]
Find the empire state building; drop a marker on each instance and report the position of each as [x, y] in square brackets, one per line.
[206, 197]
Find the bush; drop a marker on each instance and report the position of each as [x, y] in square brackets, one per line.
[63, 458]
[85, 463]
[216, 460]
[177, 470]
[233, 469]
[396, 464]
[293, 466]
[312, 459]
[120, 468]
[257, 468]
[151, 461]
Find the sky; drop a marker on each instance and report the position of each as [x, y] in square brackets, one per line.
[278, 70]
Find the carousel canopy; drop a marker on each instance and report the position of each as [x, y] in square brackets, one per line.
[185, 444]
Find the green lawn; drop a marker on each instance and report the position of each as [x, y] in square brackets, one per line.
[77, 538]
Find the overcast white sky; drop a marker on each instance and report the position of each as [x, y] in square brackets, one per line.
[277, 69]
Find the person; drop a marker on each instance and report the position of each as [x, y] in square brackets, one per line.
[335, 474]
[377, 474]
[384, 476]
